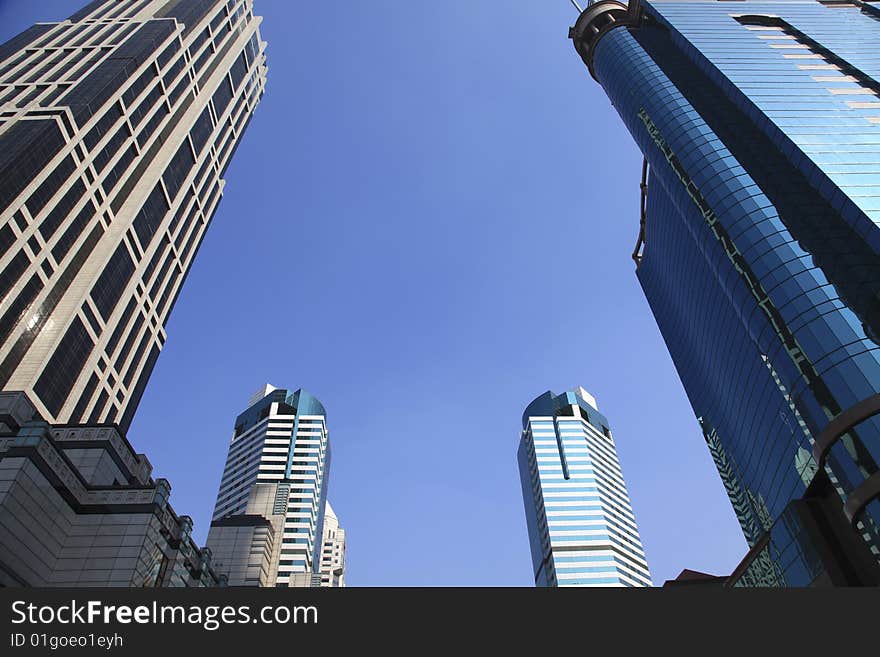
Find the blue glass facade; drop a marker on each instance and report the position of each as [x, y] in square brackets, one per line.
[582, 531]
[760, 122]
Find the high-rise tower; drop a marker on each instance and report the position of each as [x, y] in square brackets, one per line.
[268, 521]
[582, 531]
[116, 127]
[332, 564]
[759, 252]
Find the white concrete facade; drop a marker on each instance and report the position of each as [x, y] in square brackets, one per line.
[332, 550]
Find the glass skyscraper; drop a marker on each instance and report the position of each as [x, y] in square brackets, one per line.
[116, 128]
[759, 253]
[581, 527]
[268, 521]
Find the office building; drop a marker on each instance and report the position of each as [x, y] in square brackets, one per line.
[758, 249]
[268, 520]
[78, 507]
[332, 550]
[116, 128]
[581, 527]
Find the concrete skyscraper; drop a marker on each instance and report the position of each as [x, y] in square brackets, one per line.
[268, 521]
[332, 550]
[759, 253]
[116, 127]
[581, 527]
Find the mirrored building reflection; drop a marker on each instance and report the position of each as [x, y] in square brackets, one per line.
[759, 253]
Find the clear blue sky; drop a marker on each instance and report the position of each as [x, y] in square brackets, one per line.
[428, 224]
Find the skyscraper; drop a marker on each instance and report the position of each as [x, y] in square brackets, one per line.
[332, 550]
[581, 527]
[116, 127]
[268, 521]
[759, 253]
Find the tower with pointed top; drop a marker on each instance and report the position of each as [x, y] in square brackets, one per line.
[268, 519]
[582, 531]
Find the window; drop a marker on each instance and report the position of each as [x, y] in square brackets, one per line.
[64, 367]
[50, 186]
[178, 169]
[59, 213]
[113, 281]
[147, 221]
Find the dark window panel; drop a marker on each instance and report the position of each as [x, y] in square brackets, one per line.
[19, 307]
[189, 243]
[151, 125]
[12, 272]
[74, 230]
[154, 290]
[12, 64]
[201, 130]
[120, 327]
[86, 35]
[202, 60]
[172, 73]
[175, 94]
[198, 42]
[7, 238]
[64, 367]
[118, 171]
[84, 65]
[49, 99]
[40, 73]
[134, 397]
[90, 318]
[95, 415]
[29, 97]
[29, 37]
[154, 261]
[113, 280]
[138, 113]
[251, 49]
[80, 408]
[90, 94]
[178, 169]
[188, 12]
[85, 11]
[147, 221]
[137, 87]
[163, 302]
[64, 68]
[63, 208]
[50, 186]
[222, 97]
[136, 360]
[129, 341]
[67, 33]
[181, 210]
[168, 54]
[103, 126]
[238, 71]
[235, 143]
